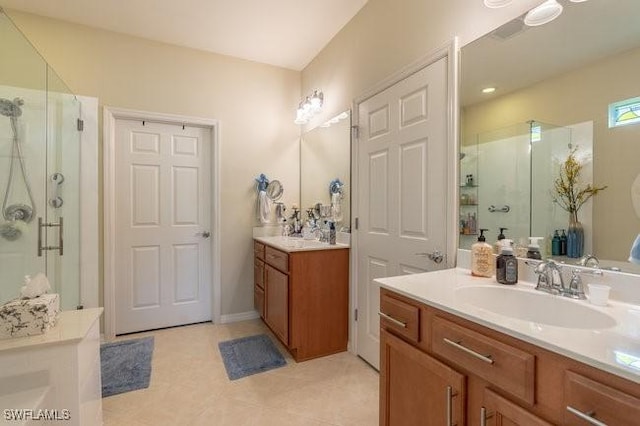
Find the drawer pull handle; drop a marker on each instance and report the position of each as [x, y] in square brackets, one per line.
[484, 416]
[485, 358]
[588, 417]
[450, 394]
[393, 320]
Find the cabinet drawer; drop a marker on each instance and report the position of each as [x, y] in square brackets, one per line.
[510, 369]
[277, 259]
[258, 250]
[601, 402]
[400, 317]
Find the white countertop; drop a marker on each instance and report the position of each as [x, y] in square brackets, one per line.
[71, 326]
[604, 348]
[294, 244]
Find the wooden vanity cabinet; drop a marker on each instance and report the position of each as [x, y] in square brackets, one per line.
[258, 278]
[506, 381]
[417, 389]
[306, 298]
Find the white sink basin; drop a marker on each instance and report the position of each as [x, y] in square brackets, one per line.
[534, 306]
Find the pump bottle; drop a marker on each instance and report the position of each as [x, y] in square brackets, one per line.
[482, 257]
[506, 265]
[498, 245]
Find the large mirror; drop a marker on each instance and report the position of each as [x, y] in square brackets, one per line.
[554, 86]
[325, 164]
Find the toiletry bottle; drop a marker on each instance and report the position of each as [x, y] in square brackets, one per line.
[555, 244]
[498, 243]
[533, 251]
[482, 262]
[507, 265]
[563, 244]
[332, 232]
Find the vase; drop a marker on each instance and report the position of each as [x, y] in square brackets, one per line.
[575, 237]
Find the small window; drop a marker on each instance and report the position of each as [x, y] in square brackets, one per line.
[624, 112]
[536, 132]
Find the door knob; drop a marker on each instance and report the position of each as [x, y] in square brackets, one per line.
[204, 234]
[436, 256]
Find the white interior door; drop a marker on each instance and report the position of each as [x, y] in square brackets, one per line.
[402, 181]
[163, 218]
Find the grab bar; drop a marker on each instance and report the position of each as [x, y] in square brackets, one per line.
[60, 226]
[503, 209]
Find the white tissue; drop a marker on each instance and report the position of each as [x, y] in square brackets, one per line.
[634, 253]
[35, 287]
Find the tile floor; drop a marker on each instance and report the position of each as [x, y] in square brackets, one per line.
[189, 386]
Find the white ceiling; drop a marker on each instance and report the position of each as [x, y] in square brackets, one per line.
[285, 33]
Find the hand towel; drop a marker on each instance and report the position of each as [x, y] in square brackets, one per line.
[264, 207]
[634, 253]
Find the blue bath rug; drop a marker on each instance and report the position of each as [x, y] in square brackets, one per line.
[250, 355]
[125, 365]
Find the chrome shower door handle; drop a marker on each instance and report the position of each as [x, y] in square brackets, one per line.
[204, 234]
[437, 256]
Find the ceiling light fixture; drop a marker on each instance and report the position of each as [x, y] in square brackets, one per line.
[308, 107]
[494, 4]
[488, 90]
[543, 14]
[577, 1]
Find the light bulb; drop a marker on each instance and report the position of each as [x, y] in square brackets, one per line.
[543, 14]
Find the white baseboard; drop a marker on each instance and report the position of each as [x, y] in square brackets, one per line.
[240, 316]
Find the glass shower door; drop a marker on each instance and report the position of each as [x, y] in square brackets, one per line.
[39, 172]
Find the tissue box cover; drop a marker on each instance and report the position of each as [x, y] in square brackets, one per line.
[29, 317]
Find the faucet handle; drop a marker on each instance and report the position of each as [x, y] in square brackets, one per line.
[576, 288]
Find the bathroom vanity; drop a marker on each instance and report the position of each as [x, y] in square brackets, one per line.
[452, 352]
[301, 290]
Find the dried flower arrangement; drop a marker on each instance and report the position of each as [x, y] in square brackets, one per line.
[569, 193]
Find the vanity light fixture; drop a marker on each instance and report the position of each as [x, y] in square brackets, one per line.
[494, 4]
[543, 14]
[308, 107]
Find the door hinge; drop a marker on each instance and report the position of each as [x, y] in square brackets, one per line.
[355, 314]
[355, 132]
[80, 124]
[357, 223]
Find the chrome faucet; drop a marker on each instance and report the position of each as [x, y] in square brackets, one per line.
[549, 277]
[576, 288]
[589, 258]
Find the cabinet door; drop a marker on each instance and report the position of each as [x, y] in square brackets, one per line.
[258, 300]
[416, 389]
[258, 273]
[276, 313]
[499, 411]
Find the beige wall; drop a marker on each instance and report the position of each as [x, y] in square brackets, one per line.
[387, 35]
[255, 104]
[574, 97]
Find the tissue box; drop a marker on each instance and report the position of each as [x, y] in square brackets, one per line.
[29, 317]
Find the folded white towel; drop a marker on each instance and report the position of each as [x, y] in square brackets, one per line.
[36, 286]
[336, 206]
[264, 207]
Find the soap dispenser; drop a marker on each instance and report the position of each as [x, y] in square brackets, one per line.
[555, 244]
[501, 237]
[506, 265]
[533, 252]
[482, 257]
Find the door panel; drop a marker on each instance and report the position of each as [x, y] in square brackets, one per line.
[162, 210]
[402, 173]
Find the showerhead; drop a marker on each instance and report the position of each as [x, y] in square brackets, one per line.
[11, 108]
